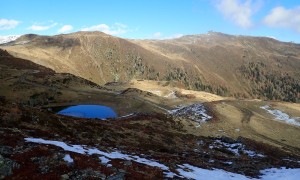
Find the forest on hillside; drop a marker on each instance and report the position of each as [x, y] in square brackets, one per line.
[273, 85]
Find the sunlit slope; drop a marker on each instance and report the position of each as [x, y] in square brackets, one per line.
[240, 66]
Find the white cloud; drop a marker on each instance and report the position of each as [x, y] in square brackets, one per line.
[116, 29]
[65, 28]
[157, 35]
[41, 28]
[121, 25]
[238, 11]
[6, 24]
[100, 27]
[273, 37]
[174, 36]
[284, 18]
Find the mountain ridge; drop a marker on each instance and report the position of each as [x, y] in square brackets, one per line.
[214, 62]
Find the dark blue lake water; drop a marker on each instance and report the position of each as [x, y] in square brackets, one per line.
[89, 111]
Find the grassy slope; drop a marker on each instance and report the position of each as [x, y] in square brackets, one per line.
[209, 62]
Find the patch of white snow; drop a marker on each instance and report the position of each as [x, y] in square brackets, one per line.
[192, 172]
[125, 116]
[279, 115]
[171, 95]
[279, 174]
[156, 92]
[185, 170]
[235, 148]
[72, 148]
[194, 112]
[82, 149]
[68, 158]
[104, 160]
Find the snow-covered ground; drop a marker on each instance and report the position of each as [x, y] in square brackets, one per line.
[281, 116]
[9, 38]
[192, 172]
[280, 174]
[125, 116]
[68, 158]
[156, 92]
[184, 170]
[235, 148]
[171, 95]
[194, 112]
[104, 156]
[104, 160]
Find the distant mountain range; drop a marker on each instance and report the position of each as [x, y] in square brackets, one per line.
[240, 66]
[9, 38]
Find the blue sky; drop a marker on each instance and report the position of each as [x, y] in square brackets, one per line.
[158, 19]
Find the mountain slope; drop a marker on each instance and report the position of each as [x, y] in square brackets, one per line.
[238, 66]
[152, 133]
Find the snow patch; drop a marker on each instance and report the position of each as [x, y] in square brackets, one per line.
[9, 38]
[125, 116]
[156, 92]
[194, 112]
[173, 111]
[192, 172]
[211, 161]
[106, 156]
[228, 162]
[281, 116]
[235, 148]
[104, 160]
[185, 170]
[72, 148]
[171, 95]
[68, 158]
[281, 173]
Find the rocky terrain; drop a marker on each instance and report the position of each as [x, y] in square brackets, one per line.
[163, 131]
[146, 146]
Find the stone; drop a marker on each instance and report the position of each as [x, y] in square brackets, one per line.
[64, 177]
[227, 140]
[6, 166]
[6, 150]
[127, 163]
[86, 174]
[117, 176]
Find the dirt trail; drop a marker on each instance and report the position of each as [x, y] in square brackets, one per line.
[247, 114]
